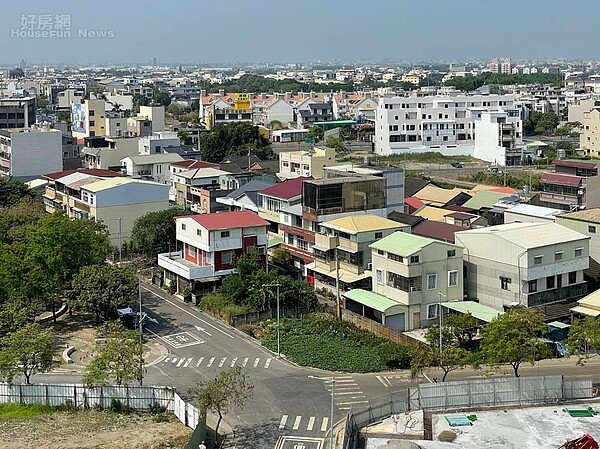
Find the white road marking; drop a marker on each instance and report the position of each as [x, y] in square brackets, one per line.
[245, 361]
[233, 362]
[297, 422]
[174, 359]
[349, 381]
[199, 362]
[186, 364]
[190, 313]
[311, 423]
[167, 360]
[343, 377]
[201, 329]
[283, 421]
[353, 402]
[180, 362]
[210, 362]
[381, 380]
[340, 393]
[256, 362]
[324, 424]
[344, 408]
[222, 362]
[267, 363]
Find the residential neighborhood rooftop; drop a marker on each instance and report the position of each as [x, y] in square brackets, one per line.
[286, 189]
[591, 215]
[361, 223]
[228, 220]
[402, 243]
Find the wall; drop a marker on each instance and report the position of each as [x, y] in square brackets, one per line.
[36, 152]
[156, 114]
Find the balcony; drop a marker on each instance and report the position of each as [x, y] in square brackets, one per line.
[305, 256]
[570, 293]
[568, 200]
[326, 241]
[144, 172]
[175, 263]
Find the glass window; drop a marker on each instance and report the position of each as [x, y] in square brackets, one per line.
[451, 253]
[414, 259]
[537, 260]
[378, 235]
[198, 232]
[533, 286]
[592, 229]
[192, 251]
[505, 283]
[578, 252]
[452, 278]
[224, 234]
[380, 252]
[226, 257]
[558, 256]
[379, 275]
[431, 281]
[432, 311]
[549, 282]
[395, 257]
[183, 226]
[572, 277]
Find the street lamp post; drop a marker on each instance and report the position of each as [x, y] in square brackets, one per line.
[278, 336]
[120, 244]
[141, 319]
[332, 380]
[440, 322]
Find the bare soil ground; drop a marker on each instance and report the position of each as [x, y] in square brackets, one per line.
[93, 429]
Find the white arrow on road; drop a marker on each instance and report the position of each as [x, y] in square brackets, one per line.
[145, 316]
[201, 329]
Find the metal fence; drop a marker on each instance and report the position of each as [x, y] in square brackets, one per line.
[78, 395]
[252, 317]
[498, 391]
[468, 394]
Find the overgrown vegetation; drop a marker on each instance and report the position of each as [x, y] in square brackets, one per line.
[501, 179]
[320, 340]
[398, 160]
[470, 83]
[233, 140]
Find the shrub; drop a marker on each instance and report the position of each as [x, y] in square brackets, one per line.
[155, 408]
[116, 406]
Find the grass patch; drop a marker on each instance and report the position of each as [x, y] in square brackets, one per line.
[19, 411]
[318, 341]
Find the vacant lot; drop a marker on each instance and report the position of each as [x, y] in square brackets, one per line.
[88, 429]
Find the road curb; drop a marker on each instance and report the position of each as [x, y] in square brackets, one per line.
[164, 353]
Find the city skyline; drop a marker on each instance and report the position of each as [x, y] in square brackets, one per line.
[261, 31]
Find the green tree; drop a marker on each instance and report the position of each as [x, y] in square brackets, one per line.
[12, 191]
[16, 218]
[514, 338]
[64, 116]
[232, 140]
[26, 351]
[117, 357]
[281, 257]
[334, 142]
[230, 389]
[463, 327]
[163, 98]
[154, 232]
[57, 247]
[547, 122]
[275, 125]
[584, 338]
[185, 137]
[100, 289]
[315, 133]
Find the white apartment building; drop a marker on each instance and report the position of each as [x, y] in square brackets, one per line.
[499, 137]
[153, 144]
[445, 124]
[88, 119]
[27, 153]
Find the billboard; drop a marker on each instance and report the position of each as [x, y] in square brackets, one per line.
[78, 118]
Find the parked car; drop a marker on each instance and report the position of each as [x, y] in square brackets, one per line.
[457, 165]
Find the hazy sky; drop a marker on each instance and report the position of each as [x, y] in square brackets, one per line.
[203, 31]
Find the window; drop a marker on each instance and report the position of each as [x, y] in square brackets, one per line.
[451, 253]
[191, 251]
[532, 286]
[226, 257]
[380, 252]
[452, 278]
[432, 311]
[505, 283]
[431, 281]
[559, 281]
[578, 252]
[592, 229]
[199, 232]
[395, 257]
[224, 234]
[285, 164]
[92, 123]
[549, 282]
[379, 275]
[572, 277]
[537, 260]
[558, 256]
[183, 226]
[250, 249]
[414, 259]
[379, 235]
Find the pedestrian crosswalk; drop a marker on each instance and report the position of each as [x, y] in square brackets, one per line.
[175, 361]
[304, 423]
[347, 393]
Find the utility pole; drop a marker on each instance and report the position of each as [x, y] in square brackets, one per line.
[278, 327]
[119, 238]
[338, 311]
[141, 330]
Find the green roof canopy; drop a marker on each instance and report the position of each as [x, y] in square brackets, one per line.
[371, 299]
[402, 243]
[479, 311]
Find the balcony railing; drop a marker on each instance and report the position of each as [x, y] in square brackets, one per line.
[175, 263]
[572, 292]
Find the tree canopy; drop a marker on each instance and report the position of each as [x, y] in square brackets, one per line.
[584, 338]
[230, 389]
[232, 140]
[154, 232]
[470, 83]
[117, 358]
[100, 289]
[514, 338]
[12, 191]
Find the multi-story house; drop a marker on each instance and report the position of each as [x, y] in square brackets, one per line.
[354, 106]
[88, 119]
[245, 197]
[187, 185]
[17, 112]
[499, 137]
[309, 163]
[574, 185]
[589, 140]
[106, 153]
[155, 143]
[273, 199]
[411, 275]
[341, 250]
[527, 264]
[269, 108]
[209, 244]
[139, 127]
[150, 166]
[586, 222]
[27, 153]
[316, 112]
[434, 123]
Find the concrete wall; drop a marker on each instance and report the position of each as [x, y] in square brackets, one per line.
[36, 152]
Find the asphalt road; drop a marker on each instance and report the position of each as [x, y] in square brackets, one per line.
[287, 405]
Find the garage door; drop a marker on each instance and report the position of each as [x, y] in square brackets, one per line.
[395, 322]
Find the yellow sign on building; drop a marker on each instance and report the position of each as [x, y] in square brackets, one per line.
[241, 101]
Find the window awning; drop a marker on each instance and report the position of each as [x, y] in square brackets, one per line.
[373, 300]
[585, 311]
[479, 311]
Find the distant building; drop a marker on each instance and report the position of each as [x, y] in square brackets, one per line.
[27, 153]
[18, 112]
[305, 163]
[589, 140]
[574, 185]
[88, 119]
